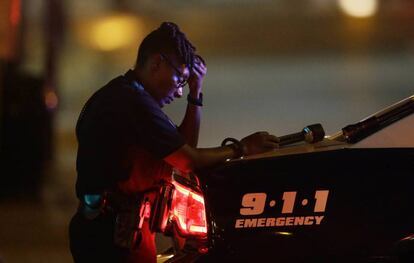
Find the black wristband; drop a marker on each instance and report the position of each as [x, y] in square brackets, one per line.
[197, 102]
[236, 146]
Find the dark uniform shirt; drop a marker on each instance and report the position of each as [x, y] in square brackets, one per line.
[123, 136]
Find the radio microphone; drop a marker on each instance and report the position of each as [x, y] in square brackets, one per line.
[311, 134]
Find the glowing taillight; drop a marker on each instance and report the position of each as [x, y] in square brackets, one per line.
[188, 211]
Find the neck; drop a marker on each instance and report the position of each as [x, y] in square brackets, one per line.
[143, 77]
[137, 75]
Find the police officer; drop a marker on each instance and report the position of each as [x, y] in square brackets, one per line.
[127, 145]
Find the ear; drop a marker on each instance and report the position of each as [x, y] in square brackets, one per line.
[155, 61]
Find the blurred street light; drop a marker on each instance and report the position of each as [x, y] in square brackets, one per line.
[111, 32]
[359, 8]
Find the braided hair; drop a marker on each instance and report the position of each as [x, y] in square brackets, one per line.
[168, 38]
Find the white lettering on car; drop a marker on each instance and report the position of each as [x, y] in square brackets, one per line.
[254, 204]
[279, 221]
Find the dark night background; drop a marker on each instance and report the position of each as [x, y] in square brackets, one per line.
[272, 65]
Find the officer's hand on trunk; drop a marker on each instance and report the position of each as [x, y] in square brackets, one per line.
[259, 142]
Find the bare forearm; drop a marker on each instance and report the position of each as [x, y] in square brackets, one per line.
[212, 156]
[188, 158]
[190, 126]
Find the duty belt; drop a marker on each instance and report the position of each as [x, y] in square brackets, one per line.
[92, 205]
[130, 211]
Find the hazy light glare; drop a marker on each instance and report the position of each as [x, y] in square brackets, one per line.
[51, 100]
[15, 15]
[112, 32]
[359, 8]
[284, 233]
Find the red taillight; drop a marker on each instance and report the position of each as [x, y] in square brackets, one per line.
[188, 211]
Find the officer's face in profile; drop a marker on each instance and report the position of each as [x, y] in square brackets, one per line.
[173, 78]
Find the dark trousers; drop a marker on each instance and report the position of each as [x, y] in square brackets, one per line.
[92, 241]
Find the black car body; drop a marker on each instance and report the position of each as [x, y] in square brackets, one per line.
[348, 198]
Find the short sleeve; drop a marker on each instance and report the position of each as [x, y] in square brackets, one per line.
[158, 134]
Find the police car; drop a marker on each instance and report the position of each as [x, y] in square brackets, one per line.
[347, 197]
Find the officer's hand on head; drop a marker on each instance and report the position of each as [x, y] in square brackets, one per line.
[259, 142]
[198, 72]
